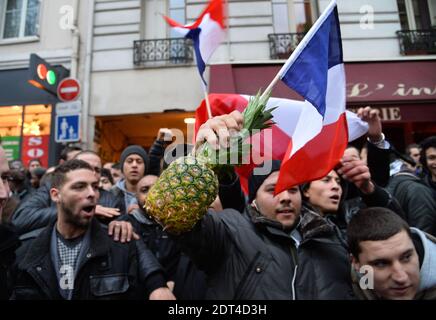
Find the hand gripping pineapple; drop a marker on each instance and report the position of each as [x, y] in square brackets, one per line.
[184, 191]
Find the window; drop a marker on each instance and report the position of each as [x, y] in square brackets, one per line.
[293, 15]
[176, 11]
[19, 18]
[417, 14]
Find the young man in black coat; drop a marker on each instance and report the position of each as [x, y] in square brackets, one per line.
[74, 258]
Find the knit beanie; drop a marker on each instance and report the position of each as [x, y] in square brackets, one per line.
[255, 180]
[134, 149]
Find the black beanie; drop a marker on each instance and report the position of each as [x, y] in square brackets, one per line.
[256, 180]
[134, 149]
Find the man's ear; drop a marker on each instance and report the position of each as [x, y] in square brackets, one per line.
[355, 263]
[254, 204]
[55, 195]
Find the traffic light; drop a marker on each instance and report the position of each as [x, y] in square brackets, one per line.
[44, 76]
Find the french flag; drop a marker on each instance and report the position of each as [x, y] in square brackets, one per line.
[270, 143]
[315, 70]
[207, 32]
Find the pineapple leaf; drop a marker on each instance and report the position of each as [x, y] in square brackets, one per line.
[255, 115]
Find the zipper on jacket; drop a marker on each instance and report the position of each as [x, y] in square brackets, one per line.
[293, 283]
[295, 260]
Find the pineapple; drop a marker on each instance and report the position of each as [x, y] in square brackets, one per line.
[184, 191]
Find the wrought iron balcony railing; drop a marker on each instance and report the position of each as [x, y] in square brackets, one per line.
[167, 51]
[414, 42]
[281, 45]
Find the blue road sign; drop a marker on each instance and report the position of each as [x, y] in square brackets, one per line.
[67, 128]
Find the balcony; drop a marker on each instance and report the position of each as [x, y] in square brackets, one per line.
[158, 52]
[417, 42]
[281, 45]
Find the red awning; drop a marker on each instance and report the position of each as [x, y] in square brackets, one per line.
[367, 82]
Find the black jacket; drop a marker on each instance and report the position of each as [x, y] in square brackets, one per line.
[38, 210]
[157, 240]
[416, 199]
[349, 206]
[247, 256]
[8, 244]
[111, 270]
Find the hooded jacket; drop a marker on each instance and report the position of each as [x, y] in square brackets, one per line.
[417, 200]
[425, 245]
[248, 256]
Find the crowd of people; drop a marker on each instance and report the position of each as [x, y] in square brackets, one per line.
[80, 231]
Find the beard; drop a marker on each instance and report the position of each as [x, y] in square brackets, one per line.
[74, 220]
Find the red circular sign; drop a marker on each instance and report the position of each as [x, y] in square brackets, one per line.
[68, 89]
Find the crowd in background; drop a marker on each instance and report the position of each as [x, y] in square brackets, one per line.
[377, 206]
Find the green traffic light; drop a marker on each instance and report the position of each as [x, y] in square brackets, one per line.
[51, 77]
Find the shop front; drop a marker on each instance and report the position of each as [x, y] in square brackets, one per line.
[403, 91]
[26, 124]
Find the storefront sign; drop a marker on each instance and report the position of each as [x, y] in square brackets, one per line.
[12, 147]
[386, 113]
[35, 147]
[367, 82]
[365, 90]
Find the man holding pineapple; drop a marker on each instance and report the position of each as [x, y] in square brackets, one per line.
[253, 255]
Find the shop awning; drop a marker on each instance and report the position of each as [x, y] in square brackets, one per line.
[384, 82]
[15, 90]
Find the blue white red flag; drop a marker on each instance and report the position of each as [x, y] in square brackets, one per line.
[207, 32]
[270, 143]
[315, 70]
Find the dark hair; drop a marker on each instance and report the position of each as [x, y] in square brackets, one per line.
[33, 160]
[430, 142]
[86, 152]
[59, 175]
[116, 166]
[411, 146]
[107, 173]
[65, 151]
[373, 224]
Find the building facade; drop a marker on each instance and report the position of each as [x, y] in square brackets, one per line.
[49, 29]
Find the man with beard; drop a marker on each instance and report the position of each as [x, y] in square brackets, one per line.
[74, 258]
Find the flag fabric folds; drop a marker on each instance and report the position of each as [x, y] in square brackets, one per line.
[270, 143]
[206, 33]
[315, 70]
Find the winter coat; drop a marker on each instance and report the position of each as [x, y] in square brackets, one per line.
[426, 248]
[416, 199]
[247, 256]
[8, 244]
[189, 281]
[110, 270]
[157, 240]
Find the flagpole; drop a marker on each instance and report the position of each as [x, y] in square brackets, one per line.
[206, 98]
[300, 47]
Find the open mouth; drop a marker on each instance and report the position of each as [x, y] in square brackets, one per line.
[88, 209]
[335, 198]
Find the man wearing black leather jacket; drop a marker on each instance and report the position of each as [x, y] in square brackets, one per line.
[73, 258]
